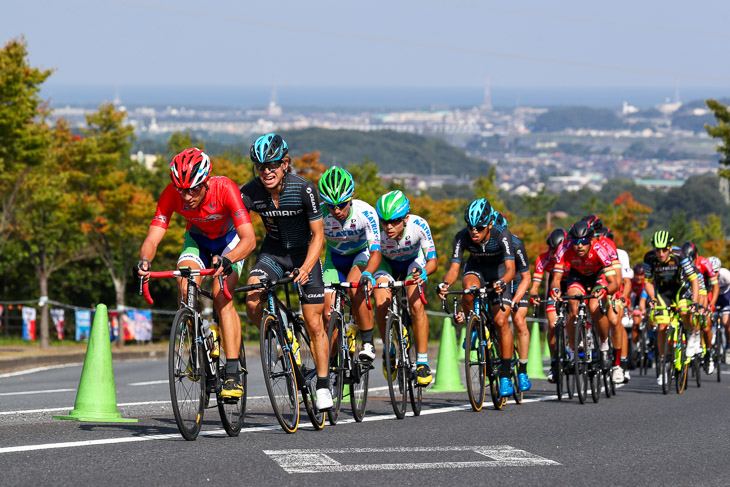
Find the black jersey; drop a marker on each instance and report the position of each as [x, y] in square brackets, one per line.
[287, 224]
[668, 276]
[521, 262]
[494, 250]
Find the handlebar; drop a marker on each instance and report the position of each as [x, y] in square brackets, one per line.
[268, 284]
[473, 290]
[346, 285]
[397, 284]
[184, 272]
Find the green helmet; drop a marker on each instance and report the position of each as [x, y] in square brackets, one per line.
[336, 186]
[662, 240]
[392, 206]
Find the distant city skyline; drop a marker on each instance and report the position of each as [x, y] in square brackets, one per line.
[406, 44]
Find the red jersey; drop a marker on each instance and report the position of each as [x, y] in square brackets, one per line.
[220, 212]
[703, 266]
[544, 264]
[597, 259]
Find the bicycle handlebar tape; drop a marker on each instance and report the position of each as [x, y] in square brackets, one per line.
[534, 361]
[96, 398]
[448, 375]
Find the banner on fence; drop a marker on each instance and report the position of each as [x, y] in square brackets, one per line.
[58, 316]
[29, 323]
[137, 325]
[83, 324]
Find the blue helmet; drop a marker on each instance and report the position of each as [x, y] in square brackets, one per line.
[479, 213]
[269, 148]
[501, 221]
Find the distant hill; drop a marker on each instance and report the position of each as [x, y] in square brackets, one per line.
[561, 118]
[393, 152]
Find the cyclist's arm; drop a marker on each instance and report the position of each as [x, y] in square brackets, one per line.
[374, 260]
[509, 271]
[431, 266]
[153, 239]
[612, 279]
[522, 288]
[451, 276]
[246, 243]
[650, 292]
[313, 252]
[627, 289]
[715, 292]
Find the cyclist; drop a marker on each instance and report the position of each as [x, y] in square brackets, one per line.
[219, 233]
[590, 269]
[709, 288]
[352, 231]
[637, 300]
[544, 265]
[722, 305]
[667, 269]
[620, 372]
[290, 211]
[408, 253]
[491, 259]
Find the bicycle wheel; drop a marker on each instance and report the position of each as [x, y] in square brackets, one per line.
[559, 355]
[680, 357]
[337, 362]
[396, 378]
[358, 381]
[696, 369]
[582, 361]
[232, 412]
[475, 363]
[517, 393]
[309, 372]
[665, 364]
[281, 382]
[186, 375]
[415, 391]
[493, 352]
[717, 350]
[643, 355]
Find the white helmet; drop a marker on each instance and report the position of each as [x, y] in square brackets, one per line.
[716, 263]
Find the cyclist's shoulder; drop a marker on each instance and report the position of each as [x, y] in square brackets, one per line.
[251, 186]
[418, 221]
[364, 208]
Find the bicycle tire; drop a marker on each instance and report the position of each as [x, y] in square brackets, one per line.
[232, 413]
[308, 370]
[335, 334]
[696, 369]
[186, 375]
[517, 393]
[359, 379]
[559, 356]
[665, 364]
[279, 376]
[475, 363]
[493, 351]
[397, 386]
[415, 390]
[717, 349]
[581, 363]
[681, 382]
[643, 355]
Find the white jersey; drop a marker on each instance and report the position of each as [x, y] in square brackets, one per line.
[627, 272]
[416, 240]
[359, 230]
[724, 280]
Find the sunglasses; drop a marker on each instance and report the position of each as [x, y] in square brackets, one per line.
[194, 190]
[394, 221]
[581, 241]
[341, 206]
[665, 249]
[478, 228]
[271, 166]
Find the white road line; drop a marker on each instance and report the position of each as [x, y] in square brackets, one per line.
[37, 369]
[25, 393]
[149, 382]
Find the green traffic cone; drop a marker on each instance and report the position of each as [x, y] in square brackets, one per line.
[534, 362]
[460, 344]
[448, 375]
[96, 398]
[545, 346]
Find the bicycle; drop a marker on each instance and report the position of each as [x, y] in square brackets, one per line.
[562, 353]
[673, 365]
[586, 356]
[481, 350]
[645, 349]
[288, 370]
[401, 372]
[345, 365]
[194, 373]
[717, 349]
[698, 359]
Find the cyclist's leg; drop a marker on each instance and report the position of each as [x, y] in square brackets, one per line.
[382, 297]
[661, 318]
[519, 319]
[266, 267]
[363, 315]
[312, 300]
[230, 322]
[575, 288]
[191, 256]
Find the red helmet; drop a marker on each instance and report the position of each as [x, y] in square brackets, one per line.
[190, 168]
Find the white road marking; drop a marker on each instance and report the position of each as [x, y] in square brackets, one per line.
[37, 369]
[149, 382]
[25, 393]
[318, 461]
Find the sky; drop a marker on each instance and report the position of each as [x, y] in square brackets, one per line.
[426, 43]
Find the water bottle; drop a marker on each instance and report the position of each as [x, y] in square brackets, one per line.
[215, 351]
[351, 332]
[207, 334]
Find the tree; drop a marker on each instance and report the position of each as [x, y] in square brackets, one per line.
[486, 187]
[627, 218]
[721, 131]
[24, 135]
[710, 238]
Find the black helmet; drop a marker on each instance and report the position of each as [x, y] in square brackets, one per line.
[594, 223]
[556, 237]
[580, 230]
[690, 250]
[640, 269]
[607, 232]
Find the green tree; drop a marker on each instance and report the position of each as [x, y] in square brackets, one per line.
[721, 131]
[24, 135]
[486, 187]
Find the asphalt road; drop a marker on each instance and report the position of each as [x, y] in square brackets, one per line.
[639, 437]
